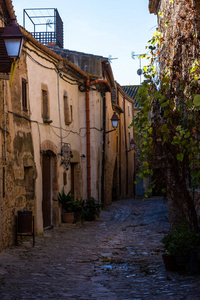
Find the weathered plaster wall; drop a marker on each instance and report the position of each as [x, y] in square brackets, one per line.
[73, 133]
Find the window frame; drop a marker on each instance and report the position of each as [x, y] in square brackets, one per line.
[24, 95]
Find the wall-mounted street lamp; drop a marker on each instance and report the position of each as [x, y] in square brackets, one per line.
[115, 119]
[13, 39]
[132, 145]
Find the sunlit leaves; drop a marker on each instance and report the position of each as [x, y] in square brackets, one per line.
[196, 100]
[180, 156]
[160, 14]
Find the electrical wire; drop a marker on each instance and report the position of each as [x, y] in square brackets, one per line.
[41, 65]
[52, 126]
[56, 68]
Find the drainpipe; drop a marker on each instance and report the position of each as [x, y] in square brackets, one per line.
[88, 138]
[101, 81]
[61, 139]
[126, 146]
[4, 111]
[103, 159]
[120, 149]
[134, 170]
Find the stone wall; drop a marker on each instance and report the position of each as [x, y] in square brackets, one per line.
[18, 173]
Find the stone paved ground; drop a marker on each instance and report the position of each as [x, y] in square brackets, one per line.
[116, 257]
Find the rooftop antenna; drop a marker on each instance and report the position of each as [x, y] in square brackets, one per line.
[48, 24]
[139, 71]
[110, 58]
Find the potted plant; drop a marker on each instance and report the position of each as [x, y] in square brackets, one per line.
[181, 249]
[69, 206]
[90, 209]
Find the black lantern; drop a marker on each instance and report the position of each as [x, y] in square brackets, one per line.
[13, 39]
[132, 143]
[114, 120]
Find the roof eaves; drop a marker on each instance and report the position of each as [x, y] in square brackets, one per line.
[153, 6]
[68, 64]
[109, 71]
[123, 92]
[10, 8]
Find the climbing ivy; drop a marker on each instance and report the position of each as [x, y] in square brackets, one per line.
[168, 124]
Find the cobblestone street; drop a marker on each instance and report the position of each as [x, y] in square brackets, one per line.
[117, 257]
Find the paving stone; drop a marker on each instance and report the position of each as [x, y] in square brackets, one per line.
[117, 257]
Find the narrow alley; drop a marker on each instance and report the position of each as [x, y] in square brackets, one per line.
[117, 257]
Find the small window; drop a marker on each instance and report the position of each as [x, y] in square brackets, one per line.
[45, 106]
[24, 95]
[128, 110]
[71, 112]
[68, 110]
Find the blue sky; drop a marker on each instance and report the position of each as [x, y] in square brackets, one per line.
[106, 27]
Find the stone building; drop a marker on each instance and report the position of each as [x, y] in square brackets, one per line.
[56, 132]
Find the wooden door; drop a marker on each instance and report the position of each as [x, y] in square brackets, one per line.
[73, 179]
[46, 181]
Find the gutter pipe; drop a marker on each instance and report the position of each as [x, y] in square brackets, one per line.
[61, 139]
[88, 138]
[126, 145]
[101, 81]
[4, 111]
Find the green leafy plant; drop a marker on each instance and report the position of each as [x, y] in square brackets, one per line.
[68, 203]
[90, 209]
[167, 125]
[181, 241]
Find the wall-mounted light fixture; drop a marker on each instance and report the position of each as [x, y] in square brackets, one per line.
[13, 39]
[115, 120]
[132, 145]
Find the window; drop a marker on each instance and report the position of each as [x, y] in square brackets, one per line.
[128, 110]
[71, 112]
[24, 95]
[68, 110]
[45, 107]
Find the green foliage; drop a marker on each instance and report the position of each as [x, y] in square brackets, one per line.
[196, 101]
[169, 115]
[181, 241]
[167, 125]
[68, 203]
[90, 209]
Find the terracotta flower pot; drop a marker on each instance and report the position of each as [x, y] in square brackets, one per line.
[169, 262]
[68, 217]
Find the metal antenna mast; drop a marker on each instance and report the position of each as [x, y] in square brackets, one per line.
[139, 71]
